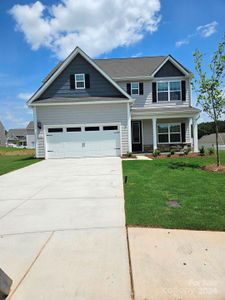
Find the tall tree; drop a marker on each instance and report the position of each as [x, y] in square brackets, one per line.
[210, 87]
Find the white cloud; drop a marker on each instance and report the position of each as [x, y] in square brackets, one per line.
[182, 42]
[24, 96]
[208, 29]
[138, 54]
[96, 26]
[204, 31]
[17, 121]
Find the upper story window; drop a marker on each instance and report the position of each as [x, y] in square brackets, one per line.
[79, 81]
[169, 91]
[134, 88]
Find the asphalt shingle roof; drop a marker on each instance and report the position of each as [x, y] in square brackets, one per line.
[17, 132]
[30, 125]
[130, 67]
[77, 100]
[123, 67]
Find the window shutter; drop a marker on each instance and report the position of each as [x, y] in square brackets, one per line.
[183, 86]
[129, 88]
[141, 88]
[87, 81]
[183, 133]
[154, 92]
[72, 82]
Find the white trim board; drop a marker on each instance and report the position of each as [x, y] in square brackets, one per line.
[66, 62]
[82, 103]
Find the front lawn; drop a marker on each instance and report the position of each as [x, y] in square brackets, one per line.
[151, 184]
[12, 159]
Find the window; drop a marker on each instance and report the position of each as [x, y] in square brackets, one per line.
[134, 88]
[110, 127]
[55, 130]
[168, 91]
[93, 128]
[169, 133]
[79, 81]
[73, 129]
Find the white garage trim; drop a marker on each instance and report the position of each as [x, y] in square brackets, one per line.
[82, 126]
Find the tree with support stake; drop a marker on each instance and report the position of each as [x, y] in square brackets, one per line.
[210, 87]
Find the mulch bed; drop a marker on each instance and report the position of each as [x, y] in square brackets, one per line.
[214, 168]
[177, 155]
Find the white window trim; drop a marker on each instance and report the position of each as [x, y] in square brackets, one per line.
[138, 88]
[76, 81]
[168, 133]
[168, 90]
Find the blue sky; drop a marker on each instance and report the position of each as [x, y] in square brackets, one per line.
[31, 41]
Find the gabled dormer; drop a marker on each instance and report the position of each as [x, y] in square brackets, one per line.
[171, 83]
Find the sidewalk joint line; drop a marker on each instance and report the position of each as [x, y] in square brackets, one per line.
[30, 267]
[130, 266]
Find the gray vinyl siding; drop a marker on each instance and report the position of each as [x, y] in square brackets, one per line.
[147, 129]
[145, 100]
[82, 114]
[99, 85]
[169, 70]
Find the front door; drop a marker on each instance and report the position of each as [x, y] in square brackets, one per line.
[136, 136]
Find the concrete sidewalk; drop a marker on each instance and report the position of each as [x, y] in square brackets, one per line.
[177, 264]
[62, 230]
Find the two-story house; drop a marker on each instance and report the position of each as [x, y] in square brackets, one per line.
[108, 107]
[2, 135]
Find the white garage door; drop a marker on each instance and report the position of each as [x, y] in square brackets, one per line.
[82, 141]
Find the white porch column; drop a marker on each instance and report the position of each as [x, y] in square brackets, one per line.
[154, 133]
[129, 128]
[35, 131]
[195, 134]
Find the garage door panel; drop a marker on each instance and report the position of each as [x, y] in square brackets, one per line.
[83, 143]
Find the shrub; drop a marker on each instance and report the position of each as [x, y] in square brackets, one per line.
[156, 153]
[202, 151]
[211, 150]
[172, 151]
[129, 154]
[186, 151]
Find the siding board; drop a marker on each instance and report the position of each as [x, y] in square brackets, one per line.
[82, 114]
[99, 85]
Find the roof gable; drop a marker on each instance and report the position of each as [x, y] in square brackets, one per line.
[99, 85]
[170, 68]
[79, 56]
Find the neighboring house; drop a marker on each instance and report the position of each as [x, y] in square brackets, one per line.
[30, 139]
[17, 137]
[2, 135]
[108, 107]
[210, 140]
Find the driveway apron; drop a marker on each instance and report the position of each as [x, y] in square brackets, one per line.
[62, 230]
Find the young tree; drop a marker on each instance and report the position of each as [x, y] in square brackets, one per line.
[210, 87]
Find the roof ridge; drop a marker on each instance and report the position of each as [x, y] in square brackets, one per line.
[139, 57]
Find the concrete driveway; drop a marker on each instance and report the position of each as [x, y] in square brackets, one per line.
[62, 230]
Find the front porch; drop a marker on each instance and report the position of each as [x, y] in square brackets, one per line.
[165, 133]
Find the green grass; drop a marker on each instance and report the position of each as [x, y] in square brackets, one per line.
[12, 159]
[152, 183]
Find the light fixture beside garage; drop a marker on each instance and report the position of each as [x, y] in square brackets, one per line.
[39, 125]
